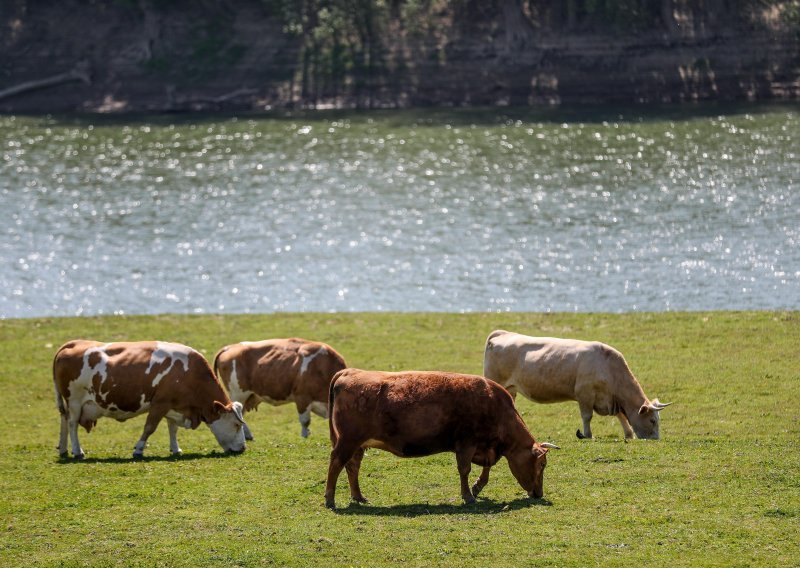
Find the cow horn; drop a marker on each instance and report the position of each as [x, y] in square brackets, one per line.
[549, 446]
[656, 405]
[237, 411]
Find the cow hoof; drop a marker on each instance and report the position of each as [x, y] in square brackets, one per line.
[580, 435]
[175, 454]
[138, 455]
[476, 489]
[330, 504]
[63, 455]
[80, 456]
[469, 500]
[359, 500]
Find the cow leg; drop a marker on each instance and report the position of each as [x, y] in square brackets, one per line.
[62, 437]
[173, 438]
[72, 423]
[340, 455]
[150, 425]
[248, 435]
[305, 420]
[586, 416]
[482, 481]
[303, 404]
[626, 426]
[464, 462]
[352, 467]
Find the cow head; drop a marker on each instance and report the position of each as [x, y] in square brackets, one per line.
[645, 423]
[228, 428]
[528, 467]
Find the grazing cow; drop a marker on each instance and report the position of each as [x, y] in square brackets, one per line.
[419, 413]
[547, 369]
[279, 371]
[123, 380]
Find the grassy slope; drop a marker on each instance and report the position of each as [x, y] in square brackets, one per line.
[721, 487]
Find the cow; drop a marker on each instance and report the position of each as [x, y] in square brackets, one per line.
[122, 380]
[279, 371]
[548, 369]
[419, 413]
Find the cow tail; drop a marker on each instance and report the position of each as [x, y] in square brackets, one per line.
[489, 347]
[331, 397]
[216, 362]
[60, 402]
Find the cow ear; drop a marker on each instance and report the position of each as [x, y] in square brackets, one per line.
[644, 409]
[220, 407]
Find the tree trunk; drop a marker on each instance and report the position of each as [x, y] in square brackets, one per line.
[668, 19]
[519, 30]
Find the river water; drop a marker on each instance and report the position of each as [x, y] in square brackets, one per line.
[456, 210]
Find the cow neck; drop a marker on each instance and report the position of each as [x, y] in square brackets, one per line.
[209, 391]
[519, 437]
[630, 397]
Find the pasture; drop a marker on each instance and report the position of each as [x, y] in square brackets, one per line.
[722, 487]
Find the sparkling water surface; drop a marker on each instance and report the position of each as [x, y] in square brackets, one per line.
[456, 210]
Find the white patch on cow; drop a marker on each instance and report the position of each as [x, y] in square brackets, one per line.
[81, 390]
[319, 408]
[101, 367]
[234, 388]
[172, 351]
[179, 419]
[91, 411]
[308, 358]
[229, 432]
[113, 411]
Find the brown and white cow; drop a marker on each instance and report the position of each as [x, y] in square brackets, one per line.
[123, 380]
[548, 369]
[419, 413]
[279, 371]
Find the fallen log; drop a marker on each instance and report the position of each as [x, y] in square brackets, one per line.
[78, 73]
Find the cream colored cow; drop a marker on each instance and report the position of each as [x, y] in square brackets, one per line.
[548, 369]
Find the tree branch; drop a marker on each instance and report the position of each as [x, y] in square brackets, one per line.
[78, 73]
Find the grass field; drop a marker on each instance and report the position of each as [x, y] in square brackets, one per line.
[722, 487]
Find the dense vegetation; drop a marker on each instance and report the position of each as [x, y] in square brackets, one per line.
[366, 41]
[115, 55]
[721, 488]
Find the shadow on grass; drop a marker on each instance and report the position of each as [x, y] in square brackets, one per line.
[481, 507]
[145, 459]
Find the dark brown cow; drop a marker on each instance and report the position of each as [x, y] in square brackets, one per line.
[123, 380]
[279, 371]
[418, 413]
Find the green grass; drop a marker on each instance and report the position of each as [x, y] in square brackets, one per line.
[722, 487]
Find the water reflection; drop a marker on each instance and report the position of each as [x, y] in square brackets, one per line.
[399, 211]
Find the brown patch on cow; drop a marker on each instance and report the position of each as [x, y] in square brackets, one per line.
[94, 359]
